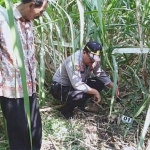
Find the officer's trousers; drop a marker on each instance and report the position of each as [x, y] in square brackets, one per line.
[74, 97]
[17, 126]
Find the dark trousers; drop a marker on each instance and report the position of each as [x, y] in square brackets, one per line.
[17, 126]
[74, 97]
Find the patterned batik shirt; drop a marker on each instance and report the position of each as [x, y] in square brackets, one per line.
[10, 78]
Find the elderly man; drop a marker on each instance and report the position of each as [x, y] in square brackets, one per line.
[11, 90]
[80, 77]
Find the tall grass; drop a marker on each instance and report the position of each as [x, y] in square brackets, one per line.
[68, 25]
[114, 24]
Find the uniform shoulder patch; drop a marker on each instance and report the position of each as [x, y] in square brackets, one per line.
[77, 67]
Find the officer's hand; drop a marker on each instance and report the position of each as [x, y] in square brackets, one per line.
[117, 92]
[111, 85]
[95, 93]
[97, 97]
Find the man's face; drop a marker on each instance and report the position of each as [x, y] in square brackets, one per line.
[87, 59]
[34, 12]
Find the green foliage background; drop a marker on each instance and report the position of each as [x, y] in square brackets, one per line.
[3, 3]
[68, 24]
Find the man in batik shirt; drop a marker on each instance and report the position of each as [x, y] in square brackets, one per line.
[11, 90]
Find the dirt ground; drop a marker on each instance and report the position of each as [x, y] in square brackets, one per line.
[102, 133]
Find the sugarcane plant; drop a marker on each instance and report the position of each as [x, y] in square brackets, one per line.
[68, 24]
[115, 24]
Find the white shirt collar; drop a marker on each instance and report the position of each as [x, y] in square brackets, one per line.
[16, 12]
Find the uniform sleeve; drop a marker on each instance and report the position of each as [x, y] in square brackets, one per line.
[74, 75]
[100, 74]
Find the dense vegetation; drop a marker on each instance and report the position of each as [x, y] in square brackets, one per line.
[64, 28]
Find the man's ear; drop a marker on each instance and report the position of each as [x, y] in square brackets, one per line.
[31, 4]
[84, 51]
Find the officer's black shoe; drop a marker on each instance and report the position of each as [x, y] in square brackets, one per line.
[67, 114]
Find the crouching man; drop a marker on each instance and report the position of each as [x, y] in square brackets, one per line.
[72, 82]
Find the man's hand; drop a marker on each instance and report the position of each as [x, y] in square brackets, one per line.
[96, 95]
[117, 92]
[111, 85]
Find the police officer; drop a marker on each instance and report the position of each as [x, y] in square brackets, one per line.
[73, 83]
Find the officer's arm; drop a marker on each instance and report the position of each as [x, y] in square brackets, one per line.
[76, 81]
[100, 74]
[73, 71]
[111, 85]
